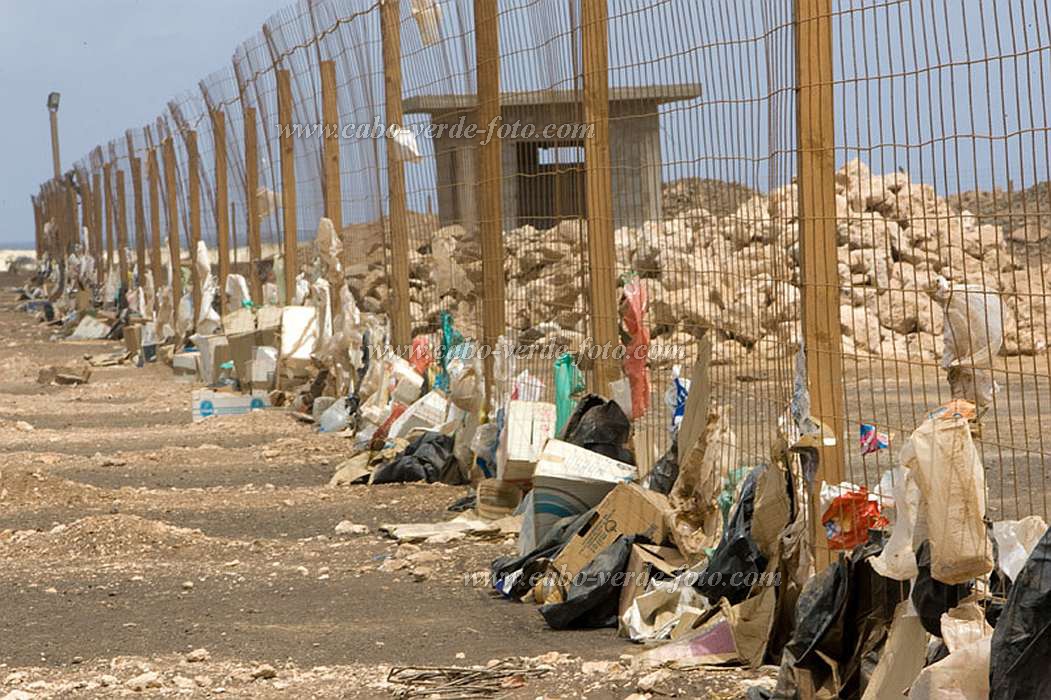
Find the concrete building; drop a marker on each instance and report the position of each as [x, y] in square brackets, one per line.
[543, 160]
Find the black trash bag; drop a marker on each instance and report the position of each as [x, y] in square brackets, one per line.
[737, 560]
[427, 458]
[600, 426]
[593, 598]
[463, 504]
[843, 614]
[931, 597]
[513, 575]
[666, 471]
[1021, 642]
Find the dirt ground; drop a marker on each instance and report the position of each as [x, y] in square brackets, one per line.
[141, 554]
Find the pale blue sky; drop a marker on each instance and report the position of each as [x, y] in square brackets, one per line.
[116, 63]
[955, 91]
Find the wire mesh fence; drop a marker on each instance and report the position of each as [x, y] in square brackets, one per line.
[866, 180]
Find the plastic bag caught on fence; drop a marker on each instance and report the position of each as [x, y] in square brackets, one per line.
[1021, 643]
[947, 469]
[1015, 540]
[974, 333]
[636, 355]
[600, 426]
[568, 382]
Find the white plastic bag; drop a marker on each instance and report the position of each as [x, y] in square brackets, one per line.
[948, 471]
[898, 559]
[974, 333]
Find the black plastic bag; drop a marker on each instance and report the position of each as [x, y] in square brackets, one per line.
[427, 458]
[600, 426]
[1021, 641]
[931, 597]
[593, 598]
[843, 615]
[666, 471]
[512, 575]
[737, 561]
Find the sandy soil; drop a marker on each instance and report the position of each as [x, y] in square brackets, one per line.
[131, 539]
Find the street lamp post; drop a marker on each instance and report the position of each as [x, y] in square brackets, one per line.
[52, 108]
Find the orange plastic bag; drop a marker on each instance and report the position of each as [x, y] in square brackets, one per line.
[849, 518]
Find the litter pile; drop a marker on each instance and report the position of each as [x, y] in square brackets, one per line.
[704, 559]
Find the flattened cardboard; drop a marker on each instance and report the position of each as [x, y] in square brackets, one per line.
[643, 560]
[529, 425]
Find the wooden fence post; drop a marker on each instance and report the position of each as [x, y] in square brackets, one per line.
[140, 217]
[122, 232]
[330, 117]
[222, 222]
[85, 205]
[193, 170]
[96, 234]
[599, 186]
[175, 255]
[401, 325]
[817, 239]
[153, 174]
[107, 183]
[255, 246]
[288, 180]
[490, 173]
[38, 226]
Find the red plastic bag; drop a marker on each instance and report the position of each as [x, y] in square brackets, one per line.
[421, 354]
[636, 355]
[849, 518]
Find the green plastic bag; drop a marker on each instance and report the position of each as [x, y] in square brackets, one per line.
[451, 339]
[568, 382]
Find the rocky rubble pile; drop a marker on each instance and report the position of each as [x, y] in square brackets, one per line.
[736, 270]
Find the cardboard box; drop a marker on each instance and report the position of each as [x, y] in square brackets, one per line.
[529, 425]
[268, 317]
[262, 368]
[185, 364]
[133, 338]
[220, 356]
[239, 321]
[407, 381]
[570, 480]
[83, 301]
[428, 412]
[496, 499]
[299, 336]
[206, 346]
[629, 509]
[242, 345]
[206, 403]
